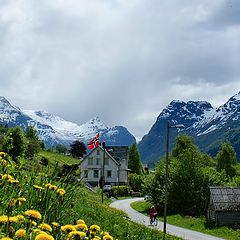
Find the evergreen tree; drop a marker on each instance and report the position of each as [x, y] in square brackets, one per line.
[34, 144]
[226, 159]
[134, 160]
[14, 143]
[78, 149]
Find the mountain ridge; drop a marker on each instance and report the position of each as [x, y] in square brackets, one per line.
[56, 130]
[200, 120]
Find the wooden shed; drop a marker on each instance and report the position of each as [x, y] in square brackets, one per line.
[224, 206]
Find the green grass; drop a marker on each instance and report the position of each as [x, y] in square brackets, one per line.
[77, 203]
[88, 206]
[193, 223]
[60, 158]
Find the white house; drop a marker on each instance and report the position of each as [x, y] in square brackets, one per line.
[115, 166]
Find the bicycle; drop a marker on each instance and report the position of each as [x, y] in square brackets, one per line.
[154, 220]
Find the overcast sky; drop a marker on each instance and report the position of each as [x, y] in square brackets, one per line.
[120, 60]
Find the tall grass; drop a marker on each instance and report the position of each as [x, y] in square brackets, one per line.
[36, 204]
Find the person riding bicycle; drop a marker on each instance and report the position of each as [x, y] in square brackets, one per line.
[153, 214]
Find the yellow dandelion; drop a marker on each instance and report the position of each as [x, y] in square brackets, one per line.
[45, 226]
[13, 181]
[94, 228]
[3, 219]
[3, 154]
[20, 217]
[55, 224]
[44, 236]
[33, 214]
[38, 187]
[61, 191]
[51, 186]
[68, 228]
[22, 199]
[6, 238]
[104, 233]
[13, 219]
[7, 176]
[76, 234]
[80, 221]
[38, 231]
[107, 237]
[4, 162]
[83, 227]
[33, 223]
[96, 238]
[20, 233]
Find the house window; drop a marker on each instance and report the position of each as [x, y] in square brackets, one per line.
[97, 161]
[95, 173]
[109, 174]
[85, 173]
[106, 161]
[90, 161]
[98, 153]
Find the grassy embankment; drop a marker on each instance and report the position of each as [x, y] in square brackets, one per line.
[66, 203]
[193, 223]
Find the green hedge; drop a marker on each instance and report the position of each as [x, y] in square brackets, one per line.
[121, 191]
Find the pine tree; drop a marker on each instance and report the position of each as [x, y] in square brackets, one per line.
[134, 160]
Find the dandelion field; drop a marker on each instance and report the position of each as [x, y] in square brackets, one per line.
[38, 205]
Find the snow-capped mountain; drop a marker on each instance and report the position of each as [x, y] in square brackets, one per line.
[53, 129]
[207, 125]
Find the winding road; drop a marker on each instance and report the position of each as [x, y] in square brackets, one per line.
[135, 216]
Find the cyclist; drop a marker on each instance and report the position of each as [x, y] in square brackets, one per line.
[153, 214]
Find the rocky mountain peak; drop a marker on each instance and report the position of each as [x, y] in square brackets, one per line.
[55, 130]
[203, 122]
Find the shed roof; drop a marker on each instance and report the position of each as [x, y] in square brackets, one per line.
[225, 198]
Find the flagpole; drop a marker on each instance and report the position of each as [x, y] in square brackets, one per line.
[103, 177]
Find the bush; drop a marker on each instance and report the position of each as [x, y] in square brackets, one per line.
[121, 191]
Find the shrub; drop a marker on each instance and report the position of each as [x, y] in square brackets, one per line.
[121, 191]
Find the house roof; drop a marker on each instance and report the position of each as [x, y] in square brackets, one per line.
[118, 152]
[107, 153]
[226, 198]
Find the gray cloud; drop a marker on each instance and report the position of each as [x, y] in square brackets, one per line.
[123, 61]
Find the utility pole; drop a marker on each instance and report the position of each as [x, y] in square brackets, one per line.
[103, 167]
[166, 176]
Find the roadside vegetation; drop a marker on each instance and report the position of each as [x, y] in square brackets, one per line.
[194, 223]
[41, 199]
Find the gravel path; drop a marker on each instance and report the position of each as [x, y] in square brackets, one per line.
[173, 230]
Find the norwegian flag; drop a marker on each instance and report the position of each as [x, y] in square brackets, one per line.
[94, 142]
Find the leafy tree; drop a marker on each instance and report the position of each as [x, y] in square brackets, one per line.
[78, 149]
[226, 159]
[182, 143]
[189, 179]
[60, 148]
[14, 142]
[134, 160]
[135, 182]
[34, 144]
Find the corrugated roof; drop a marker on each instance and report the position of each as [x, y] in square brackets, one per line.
[226, 198]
